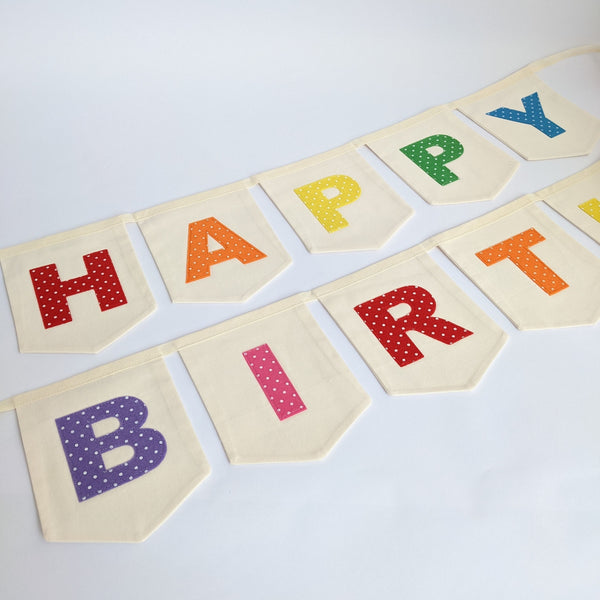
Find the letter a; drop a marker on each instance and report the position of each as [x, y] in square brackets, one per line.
[200, 258]
[392, 333]
[533, 115]
[433, 164]
[84, 449]
[325, 206]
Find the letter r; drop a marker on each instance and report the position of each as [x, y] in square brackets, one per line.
[392, 333]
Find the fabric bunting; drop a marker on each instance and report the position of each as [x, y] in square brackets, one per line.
[78, 291]
[213, 247]
[444, 160]
[275, 388]
[532, 119]
[111, 458]
[577, 198]
[531, 269]
[337, 203]
[413, 326]
[111, 452]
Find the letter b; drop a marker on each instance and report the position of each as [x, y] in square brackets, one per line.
[84, 449]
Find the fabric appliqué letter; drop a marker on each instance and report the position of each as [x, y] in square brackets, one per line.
[84, 449]
[533, 115]
[274, 382]
[591, 208]
[392, 333]
[51, 292]
[433, 164]
[324, 205]
[516, 249]
[200, 258]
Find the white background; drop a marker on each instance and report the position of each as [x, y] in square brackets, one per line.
[111, 107]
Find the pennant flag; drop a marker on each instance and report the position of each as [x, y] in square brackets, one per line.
[213, 247]
[444, 160]
[530, 268]
[275, 388]
[577, 198]
[417, 331]
[77, 291]
[532, 119]
[336, 202]
[110, 459]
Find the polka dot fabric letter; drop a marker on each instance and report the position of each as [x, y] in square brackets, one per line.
[533, 115]
[433, 164]
[591, 208]
[392, 333]
[51, 292]
[516, 249]
[200, 258]
[84, 449]
[325, 208]
[274, 382]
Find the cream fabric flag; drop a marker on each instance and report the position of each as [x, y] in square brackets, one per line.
[275, 388]
[110, 457]
[77, 291]
[443, 159]
[336, 202]
[532, 119]
[414, 327]
[213, 247]
[529, 267]
[577, 198]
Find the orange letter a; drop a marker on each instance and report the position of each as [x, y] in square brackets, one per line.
[200, 258]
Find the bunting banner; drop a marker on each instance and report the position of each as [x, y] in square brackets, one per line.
[413, 326]
[217, 246]
[337, 202]
[111, 452]
[537, 274]
[213, 247]
[274, 387]
[443, 159]
[110, 456]
[577, 198]
[77, 291]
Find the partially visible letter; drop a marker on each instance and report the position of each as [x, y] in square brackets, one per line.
[591, 208]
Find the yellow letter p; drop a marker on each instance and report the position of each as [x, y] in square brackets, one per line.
[324, 196]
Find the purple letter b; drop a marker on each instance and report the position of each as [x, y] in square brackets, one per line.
[84, 449]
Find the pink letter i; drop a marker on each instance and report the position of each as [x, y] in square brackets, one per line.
[274, 382]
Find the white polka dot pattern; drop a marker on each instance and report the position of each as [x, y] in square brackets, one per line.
[200, 258]
[84, 450]
[274, 382]
[392, 333]
[51, 292]
[516, 249]
[325, 208]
